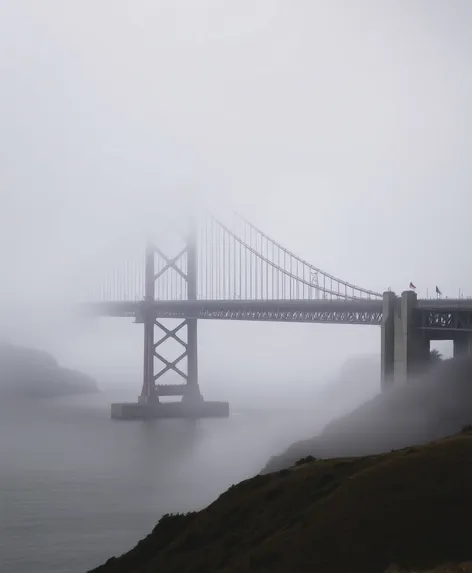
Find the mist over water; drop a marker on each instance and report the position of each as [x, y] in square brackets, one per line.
[78, 487]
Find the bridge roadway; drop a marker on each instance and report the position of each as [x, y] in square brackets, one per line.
[429, 314]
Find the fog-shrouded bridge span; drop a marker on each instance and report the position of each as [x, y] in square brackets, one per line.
[233, 271]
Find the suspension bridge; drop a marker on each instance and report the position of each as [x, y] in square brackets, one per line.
[233, 271]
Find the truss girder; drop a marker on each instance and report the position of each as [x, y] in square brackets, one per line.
[343, 317]
[343, 312]
[458, 316]
[452, 319]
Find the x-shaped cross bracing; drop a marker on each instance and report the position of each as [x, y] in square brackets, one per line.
[170, 333]
[171, 263]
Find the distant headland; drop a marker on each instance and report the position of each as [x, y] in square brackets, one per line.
[34, 373]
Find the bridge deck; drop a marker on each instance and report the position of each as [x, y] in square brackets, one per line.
[440, 314]
[344, 311]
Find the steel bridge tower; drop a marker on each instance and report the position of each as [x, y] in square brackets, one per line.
[170, 278]
[187, 271]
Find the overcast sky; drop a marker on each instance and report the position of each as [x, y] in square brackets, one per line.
[341, 128]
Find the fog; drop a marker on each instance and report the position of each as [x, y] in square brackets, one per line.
[433, 405]
[341, 129]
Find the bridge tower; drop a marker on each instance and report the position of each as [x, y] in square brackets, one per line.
[189, 390]
[170, 279]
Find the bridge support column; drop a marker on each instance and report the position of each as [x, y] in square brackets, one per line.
[193, 395]
[462, 344]
[148, 390]
[411, 344]
[387, 352]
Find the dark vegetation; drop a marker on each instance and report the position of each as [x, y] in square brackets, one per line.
[32, 373]
[447, 568]
[435, 356]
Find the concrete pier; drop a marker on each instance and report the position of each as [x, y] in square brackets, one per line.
[387, 356]
[404, 347]
[462, 344]
[193, 410]
[411, 343]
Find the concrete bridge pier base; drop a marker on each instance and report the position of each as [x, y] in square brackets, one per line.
[387, 356]
[404, 347]
[462, 344]
[411, 343]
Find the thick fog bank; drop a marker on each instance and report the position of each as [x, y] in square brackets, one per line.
[433, 406]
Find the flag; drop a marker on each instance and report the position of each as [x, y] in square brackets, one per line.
[438, 291]
[412, 285]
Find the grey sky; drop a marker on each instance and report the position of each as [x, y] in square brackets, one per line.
[343, 129]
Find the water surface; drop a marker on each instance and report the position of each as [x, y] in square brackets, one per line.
[77, 487]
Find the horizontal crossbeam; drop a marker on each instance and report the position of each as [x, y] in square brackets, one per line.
[171, 389]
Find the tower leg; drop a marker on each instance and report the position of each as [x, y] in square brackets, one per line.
[387, 340]
[193, 389]
[148, 390]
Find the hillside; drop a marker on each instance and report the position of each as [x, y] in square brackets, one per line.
[32, 373]
[447, 568]
[437, 404]
[353, 515]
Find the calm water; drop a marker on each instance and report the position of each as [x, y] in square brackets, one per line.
[77, 487]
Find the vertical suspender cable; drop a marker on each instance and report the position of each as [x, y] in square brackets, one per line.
[240, 270]
[224, 264]
[267, 269]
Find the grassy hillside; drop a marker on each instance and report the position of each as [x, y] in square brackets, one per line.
[354, 515]
[446, 568]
